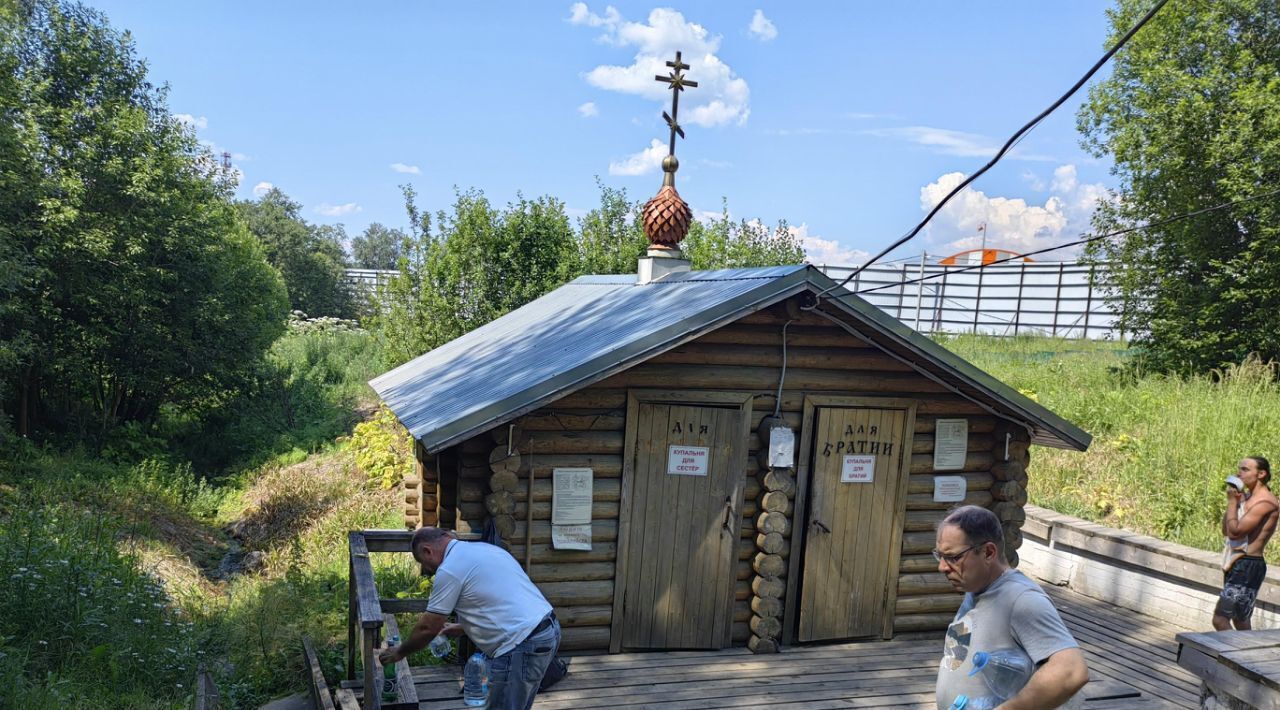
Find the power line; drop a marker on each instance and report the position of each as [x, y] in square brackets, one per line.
[1087, 240]
[1013, 140]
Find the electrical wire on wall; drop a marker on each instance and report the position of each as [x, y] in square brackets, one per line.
[782, 377]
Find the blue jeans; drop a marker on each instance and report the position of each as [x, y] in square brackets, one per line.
[514, 676]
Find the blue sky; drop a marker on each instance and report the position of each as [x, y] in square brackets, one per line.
[844, 118]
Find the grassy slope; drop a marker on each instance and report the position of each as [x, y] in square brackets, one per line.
[1162, 446]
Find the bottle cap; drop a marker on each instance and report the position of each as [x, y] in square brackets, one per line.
[980, 660]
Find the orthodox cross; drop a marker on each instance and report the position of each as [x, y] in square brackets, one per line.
[678, 83]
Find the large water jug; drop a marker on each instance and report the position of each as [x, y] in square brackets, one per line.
[475, 680]
[1004, 671]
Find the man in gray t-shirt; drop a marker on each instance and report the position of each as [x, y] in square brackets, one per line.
[1003, 611]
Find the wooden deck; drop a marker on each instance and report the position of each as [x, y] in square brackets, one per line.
[1132, 662]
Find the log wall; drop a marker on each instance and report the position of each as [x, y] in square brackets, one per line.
[586, 429]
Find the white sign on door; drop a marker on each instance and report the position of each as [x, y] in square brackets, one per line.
[858, 469]
[688, 460]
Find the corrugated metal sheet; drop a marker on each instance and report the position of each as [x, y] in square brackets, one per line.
[560, 341]
[597, 325]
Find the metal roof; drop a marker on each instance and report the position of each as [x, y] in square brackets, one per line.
[596, 326]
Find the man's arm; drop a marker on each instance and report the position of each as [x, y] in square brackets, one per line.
[1053, 684]
[1253, 517]
[428, 626]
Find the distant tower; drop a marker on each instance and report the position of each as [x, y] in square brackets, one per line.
[226, 160]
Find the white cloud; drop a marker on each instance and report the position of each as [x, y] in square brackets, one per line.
[588, 110]
[949, 142]
[761, 27]
[1012, 223]
[262, 188]
[642, 163]
[199, 123]
[721, 96]
[342, 210]
[407, 169]
[826, 251]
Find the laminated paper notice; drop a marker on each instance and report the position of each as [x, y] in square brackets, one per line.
[688, 460]
[950, 444]
[858, 469]
[949, 489]
[571, 508]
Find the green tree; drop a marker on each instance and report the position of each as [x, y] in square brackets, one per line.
[721, 243]
[309, 257]
[1191, 117]
[610, 237]
[481, 263]
[378, 247]
[136, 284]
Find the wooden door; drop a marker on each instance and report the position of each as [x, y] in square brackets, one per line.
[854, 504]
[683, 526]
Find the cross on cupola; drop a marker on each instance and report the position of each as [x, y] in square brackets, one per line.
[677, 82]
[666, 217]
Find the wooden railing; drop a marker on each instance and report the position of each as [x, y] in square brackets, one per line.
[368, 614]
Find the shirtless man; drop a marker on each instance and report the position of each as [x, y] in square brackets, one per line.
[1254, 523]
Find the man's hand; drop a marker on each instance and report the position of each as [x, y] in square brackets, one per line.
[389, 656]
[453, 630]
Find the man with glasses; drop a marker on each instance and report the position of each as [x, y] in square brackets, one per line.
[1002, 611]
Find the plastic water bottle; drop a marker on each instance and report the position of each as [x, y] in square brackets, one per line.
[1004, 671]
[475, 680]
[389, 672]
[440, 646]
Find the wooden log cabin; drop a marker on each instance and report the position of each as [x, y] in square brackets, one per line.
[697, 459]
[619, 384]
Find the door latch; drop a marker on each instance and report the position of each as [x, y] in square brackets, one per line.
[818, 524]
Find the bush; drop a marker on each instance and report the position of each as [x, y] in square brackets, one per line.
[383, 449]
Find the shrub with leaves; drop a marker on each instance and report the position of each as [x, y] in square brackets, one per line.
[383, 449]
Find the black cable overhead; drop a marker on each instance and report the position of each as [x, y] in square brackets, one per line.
[1008, 145]
[1108, 235]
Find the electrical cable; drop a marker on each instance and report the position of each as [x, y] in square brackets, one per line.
[782, 377]
[1008, 145]
[1108, 235]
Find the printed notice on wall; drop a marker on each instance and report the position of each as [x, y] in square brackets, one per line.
[570, 496]
[571, 508]
[688, 460]
[782, 448]
[949, 489]
[858, 469]
[571, 537]
[950, 444]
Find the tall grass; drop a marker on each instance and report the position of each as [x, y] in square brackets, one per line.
[1162, 445]
[110, 592]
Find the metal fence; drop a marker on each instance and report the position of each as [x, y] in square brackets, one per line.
[1064, 299]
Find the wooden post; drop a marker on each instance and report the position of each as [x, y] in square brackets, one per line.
[351, 616]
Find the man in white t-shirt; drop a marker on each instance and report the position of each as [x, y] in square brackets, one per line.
[1003, 612]
[498, 608]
